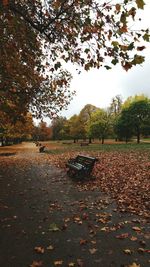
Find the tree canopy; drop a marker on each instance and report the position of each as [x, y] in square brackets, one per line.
[90, 33]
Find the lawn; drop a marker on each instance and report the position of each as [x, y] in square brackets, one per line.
[58, 147]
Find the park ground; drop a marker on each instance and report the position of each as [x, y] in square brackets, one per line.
[49, 220]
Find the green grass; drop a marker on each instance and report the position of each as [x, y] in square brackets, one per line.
[59, 147]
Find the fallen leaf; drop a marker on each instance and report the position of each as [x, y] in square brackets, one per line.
[80, 262]
[36, 264]
[92, 250]
[136, 228]
[58, 263]
[127, 251]
[141, 250]
[134, 265]
[50, 247]
[122, 236]
[83, 241]
[53, 227]
[133, 238]
[39, 250]
[71, 264]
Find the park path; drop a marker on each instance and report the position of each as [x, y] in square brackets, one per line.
[45, 220]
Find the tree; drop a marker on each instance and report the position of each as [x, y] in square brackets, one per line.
[57, 126]
[100, 124]
[85, 118]
[43, 132]
[77, 129]
[115, 110]
[135, 119]
[123, 127]
[90, 33]
[21, 130]
[139, 112]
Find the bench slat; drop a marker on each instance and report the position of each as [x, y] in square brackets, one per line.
[81, 166]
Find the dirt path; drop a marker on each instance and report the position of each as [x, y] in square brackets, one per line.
[45, 221]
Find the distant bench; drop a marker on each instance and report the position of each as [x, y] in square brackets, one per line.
[84, 144]
[41, 147]
[81, 166]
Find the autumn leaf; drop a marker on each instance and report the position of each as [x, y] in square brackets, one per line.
[140, 4]
[39, 250]
[80, 262]
[93, 250]
[134, 265]
[141, 250]
[36, 264]
[53, 227]
[50, 247]
[58, 263]
[127, 251]
[83, 241]
[133, 238]
[140, 48]
[5, 2]
[136, 228]
[122, 236]
[71, 264]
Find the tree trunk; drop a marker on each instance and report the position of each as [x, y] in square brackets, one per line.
[138, 136]
[90, 140]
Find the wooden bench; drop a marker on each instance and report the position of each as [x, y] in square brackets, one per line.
[84, 144]
[41, 149]
[81, 166]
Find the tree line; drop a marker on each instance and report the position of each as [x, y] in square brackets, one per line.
[121, 121]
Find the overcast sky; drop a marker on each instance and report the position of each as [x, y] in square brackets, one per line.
[98, 87]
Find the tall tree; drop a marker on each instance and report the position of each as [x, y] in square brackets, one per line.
[115, 110]
[135, 119]
[85, 116]
[57, 126]
[100, 124]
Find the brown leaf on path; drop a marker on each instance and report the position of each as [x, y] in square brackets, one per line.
[136, 228]
[83, 241]
[123, 236]
[80, 263]
[71, 264]
[36, 264]
[93, 250]
[50, 247]
[39, 250]
[127, 251]
[58, 263]
[134, 265]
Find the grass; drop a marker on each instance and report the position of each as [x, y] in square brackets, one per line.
[60, 147]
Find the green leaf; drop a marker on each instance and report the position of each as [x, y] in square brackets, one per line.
[140, 4]
[131, 46]
[114, 61]
[115, 43]
[146, 37]
[107, 67]
[53, 227]
[138, 60]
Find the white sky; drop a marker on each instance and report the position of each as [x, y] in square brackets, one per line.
[98, 87]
